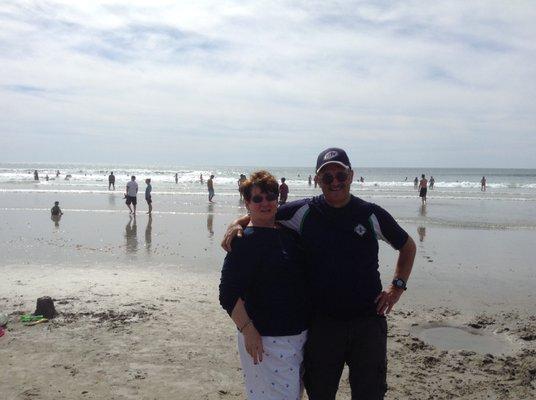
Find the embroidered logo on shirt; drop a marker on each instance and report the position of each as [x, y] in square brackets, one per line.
[360, 230]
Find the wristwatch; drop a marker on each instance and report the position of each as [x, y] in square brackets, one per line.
[399, 283]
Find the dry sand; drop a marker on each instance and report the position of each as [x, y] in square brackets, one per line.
[133, 333]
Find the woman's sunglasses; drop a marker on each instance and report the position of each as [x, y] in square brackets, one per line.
[269, 197]
[328, 178]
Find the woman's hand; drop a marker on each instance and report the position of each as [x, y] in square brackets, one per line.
[253, 342]
[232, 231]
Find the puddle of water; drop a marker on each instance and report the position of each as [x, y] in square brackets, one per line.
[454, 338]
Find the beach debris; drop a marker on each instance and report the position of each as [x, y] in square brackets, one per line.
[30, 317]
[3, 320]
[45, 307]
[30, 320]
[40, 321]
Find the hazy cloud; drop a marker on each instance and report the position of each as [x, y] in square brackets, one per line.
[264, 82]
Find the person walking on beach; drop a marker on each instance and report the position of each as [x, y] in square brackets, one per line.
[423, 188]
[176, 177]
[432, 182]
[283, 191]
[210, 187]
[201, 178]
[36, 175]
[148, 197]
[415, 183]
[111, 181]
[131, 193]
[483, 184]
[340, 234]
[310, 180]
[262, 288]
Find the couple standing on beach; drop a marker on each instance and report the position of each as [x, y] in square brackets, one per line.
[131, 195]
[306, 289]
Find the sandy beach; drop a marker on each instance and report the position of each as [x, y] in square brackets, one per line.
[160, 334]
[139, 314]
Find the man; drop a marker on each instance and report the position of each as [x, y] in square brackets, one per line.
[340, 235]
[210, 187]
[483, 184]
[148, 197]
[176, 177]
[111, 181]
[432, 182]
[131, 193]
[423, 188]
[283, 191]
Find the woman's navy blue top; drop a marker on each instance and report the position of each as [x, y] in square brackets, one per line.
[266, 270]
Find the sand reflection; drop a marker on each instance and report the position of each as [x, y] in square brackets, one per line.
[131, 235]
[422, 210]
[148, 234]
[421, 231]
[56, 219]
[210, 220]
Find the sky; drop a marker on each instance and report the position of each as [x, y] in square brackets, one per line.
[395, 83]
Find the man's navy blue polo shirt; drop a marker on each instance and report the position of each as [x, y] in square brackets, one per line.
[341, 245]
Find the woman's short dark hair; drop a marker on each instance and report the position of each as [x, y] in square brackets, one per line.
[264, 180]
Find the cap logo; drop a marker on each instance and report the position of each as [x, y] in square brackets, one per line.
[331, 154]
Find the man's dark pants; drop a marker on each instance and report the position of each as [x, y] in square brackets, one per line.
[361, 343]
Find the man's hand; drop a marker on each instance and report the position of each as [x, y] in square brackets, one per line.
[232, 231]
[253, 342]
[387, 299]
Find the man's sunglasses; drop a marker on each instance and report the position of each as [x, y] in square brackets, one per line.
[328, 178]
[269, 197]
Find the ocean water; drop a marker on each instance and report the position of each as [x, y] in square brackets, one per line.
[467, 240]
[456, 200]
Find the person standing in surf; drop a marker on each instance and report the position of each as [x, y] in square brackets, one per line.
[423, 188]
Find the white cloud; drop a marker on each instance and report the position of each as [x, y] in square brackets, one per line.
[403, 77]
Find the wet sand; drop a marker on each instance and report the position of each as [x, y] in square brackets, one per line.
[139, 315]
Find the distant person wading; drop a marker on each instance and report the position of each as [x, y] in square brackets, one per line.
[111, 181]
[283, 191]
[210, 187]
[423, 188]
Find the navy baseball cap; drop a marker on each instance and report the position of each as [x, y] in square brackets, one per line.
[333, 155]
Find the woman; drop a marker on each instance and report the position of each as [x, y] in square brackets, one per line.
[262, 288]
